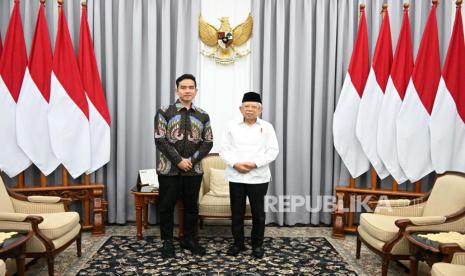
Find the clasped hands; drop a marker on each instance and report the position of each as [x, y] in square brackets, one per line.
[244, 167]
[185, 165]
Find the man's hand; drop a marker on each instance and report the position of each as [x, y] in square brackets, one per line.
[250, 165]
[185, 165]
[244, 167]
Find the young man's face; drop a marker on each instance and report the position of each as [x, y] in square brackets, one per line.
[186, 90]
[250, 110]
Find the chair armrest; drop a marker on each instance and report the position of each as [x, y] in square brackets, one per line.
[20, 217]
[393, 203]
[420, 221]
[28, 207]
[415, 210]
[44, 199]
[13, 216]
[453, 222]
[22, 222]
[430, 220]
[27, 202]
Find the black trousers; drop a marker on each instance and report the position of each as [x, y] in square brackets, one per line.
[171, 187]
[238, 193]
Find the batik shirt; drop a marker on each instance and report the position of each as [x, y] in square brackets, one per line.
[182, 133]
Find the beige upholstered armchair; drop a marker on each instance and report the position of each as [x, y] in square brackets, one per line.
[457, 265]
[441, 209]
[2, 268]
[215, 204]
[54, 227]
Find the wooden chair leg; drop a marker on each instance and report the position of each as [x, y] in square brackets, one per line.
[51, 264]
[79, 245]
[385, 266]
[359, 246]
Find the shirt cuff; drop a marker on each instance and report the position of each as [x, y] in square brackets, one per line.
[259, 163]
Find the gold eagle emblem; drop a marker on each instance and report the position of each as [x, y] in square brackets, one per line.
[224, 39]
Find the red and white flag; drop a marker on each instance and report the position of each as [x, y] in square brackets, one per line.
[401, 71]
[372, 98]
[98, 110]
[13, 64]
[447, 123]
[413, 137]
[32, 108]
[345, 115]
[68, 115]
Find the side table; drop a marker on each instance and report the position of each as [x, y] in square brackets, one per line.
[143, 195]
[422, 249]
[14, 248]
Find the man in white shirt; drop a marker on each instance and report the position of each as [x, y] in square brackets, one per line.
[249, 146]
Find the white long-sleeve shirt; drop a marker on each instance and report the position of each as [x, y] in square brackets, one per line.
[255, 143]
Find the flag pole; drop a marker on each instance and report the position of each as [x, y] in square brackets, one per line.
[418, 183]
[352, 180]
[395, 184]
[86, 178]
[64, 174]
[374, 175]
[350, 215]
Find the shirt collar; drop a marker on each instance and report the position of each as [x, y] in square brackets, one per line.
[179, 105]
[240, 120]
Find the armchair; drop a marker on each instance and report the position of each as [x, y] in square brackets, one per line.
[457, 265]
[54, 227]
[211, 206]
[442, 209]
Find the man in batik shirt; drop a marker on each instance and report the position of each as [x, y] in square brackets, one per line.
[183, 136]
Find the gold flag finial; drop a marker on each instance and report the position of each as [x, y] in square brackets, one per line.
[384, 9]
[362, 7]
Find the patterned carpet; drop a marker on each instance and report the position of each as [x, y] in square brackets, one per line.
[125, 255]
[66, 263]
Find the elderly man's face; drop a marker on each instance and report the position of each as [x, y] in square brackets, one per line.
[186, 90]
[251, 110]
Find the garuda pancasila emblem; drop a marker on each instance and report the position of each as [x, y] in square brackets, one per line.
[225, 39]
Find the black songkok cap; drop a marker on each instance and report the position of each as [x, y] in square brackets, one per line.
[252, 97]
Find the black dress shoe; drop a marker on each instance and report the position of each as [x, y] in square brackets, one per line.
[193, 246]
[167, 251]
[235, 249]
[258, 252]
